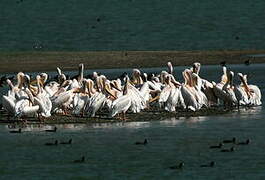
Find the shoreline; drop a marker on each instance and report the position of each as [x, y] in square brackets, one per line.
[48, 61]
[144, 116]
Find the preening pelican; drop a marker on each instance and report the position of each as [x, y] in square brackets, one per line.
[252, 91]
[25, 105]
[123, 103]
[226, 92]
[188, 91]
[42, 99]
[241, 91]
[9, 101]
[81, 99]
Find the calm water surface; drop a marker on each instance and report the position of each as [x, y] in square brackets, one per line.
[111, 154]
[70, 25]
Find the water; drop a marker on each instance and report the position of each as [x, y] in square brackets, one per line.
[69, 25]
[111, 154]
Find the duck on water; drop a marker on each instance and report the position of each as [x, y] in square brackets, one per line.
[141, 143]
[16, 131]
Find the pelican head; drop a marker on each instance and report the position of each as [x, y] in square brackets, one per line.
[59, 71]
[145, 77]
[224, 77]
[240, 75]
[196, 67]
[61, 78]
[156, 79]
[167, 79]
[90, 86]
[44, 77]
[125, 89]
[95, 75]
[170, 67]
[187, 75]
[26, 80]
[115, 84]
[20, 79]
[243, 78]
[10, 84]
[163, 74]
[108, 89]
[231, 77]
[136, 77]
[81, 72]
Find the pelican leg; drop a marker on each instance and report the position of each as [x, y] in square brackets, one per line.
[119, 116]
[123, 117]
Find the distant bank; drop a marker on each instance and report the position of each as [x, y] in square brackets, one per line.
[48, 61]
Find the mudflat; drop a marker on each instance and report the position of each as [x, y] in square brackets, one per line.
[48, 61]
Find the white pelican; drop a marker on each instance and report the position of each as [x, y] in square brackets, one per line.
[206, 86]
[98, 99]
[14, 94]
[9, 101]
[42, 99]
[171, 96]
[80, 99]
[202, 99]
[253, 92]
[241, 91]
[136, 77]
[229, 89]
[188, 91]
[226, 92]
[123, 103]
[25, 105]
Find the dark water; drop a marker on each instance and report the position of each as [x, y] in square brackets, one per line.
[111, 154]
[71, 25]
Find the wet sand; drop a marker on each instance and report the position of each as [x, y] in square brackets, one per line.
[48, 61]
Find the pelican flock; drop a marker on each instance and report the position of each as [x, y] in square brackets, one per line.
[89, 97]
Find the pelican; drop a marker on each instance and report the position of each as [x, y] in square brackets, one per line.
[123, 103]
[42, 99]
[25, 105]
[171, 95]
[241, 91]
[206, 86]
[80, 99]
[252, 91]
[229, 89]
[136, 77]
[226, 92]
[9, 101]
[98, 99]
[188, 91]
[14, 94]
[202, 99]
[77, 82]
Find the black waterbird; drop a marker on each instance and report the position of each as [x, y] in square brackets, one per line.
[52, 144]
[51, 130]
[218, 146]
[230, 140]
[247, 62]
[82, 160]
[67, 142]
[180, 166]
[141, 143]
[244, 143]
[212, 164]
[16, 131]
[223, 63]
[232, 149]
